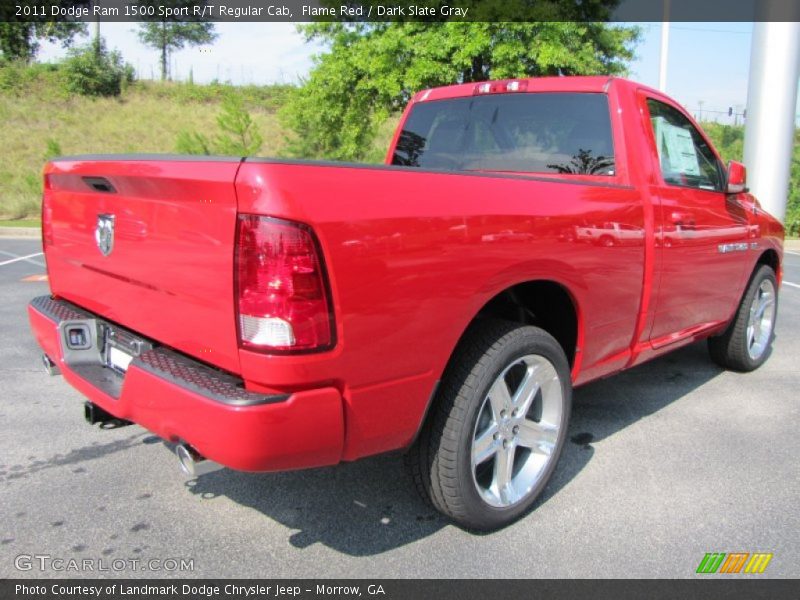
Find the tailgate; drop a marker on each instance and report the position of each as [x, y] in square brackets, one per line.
[148, 243]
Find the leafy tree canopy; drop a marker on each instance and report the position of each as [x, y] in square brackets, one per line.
[93, 70]
[19, 40]
[170, 36]
[166, 36]
[371, 69]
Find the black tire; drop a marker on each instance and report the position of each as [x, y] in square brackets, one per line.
[441, 459]
[733, 348]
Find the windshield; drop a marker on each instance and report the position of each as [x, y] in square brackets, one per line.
[539, 133]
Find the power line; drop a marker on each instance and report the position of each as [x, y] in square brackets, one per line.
[721, 112]
[704, 30]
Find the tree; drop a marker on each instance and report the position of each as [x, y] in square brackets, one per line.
[239, 135]
[168, 36]
[93, 70]
[20, 40]
[371, 69]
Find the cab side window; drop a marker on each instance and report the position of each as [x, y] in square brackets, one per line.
[686, 159]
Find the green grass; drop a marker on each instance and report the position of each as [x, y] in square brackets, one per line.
[38, 118]
[20, 223]
[41, 120]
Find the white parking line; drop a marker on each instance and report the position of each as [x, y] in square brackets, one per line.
[790, 252]
[794, 285]
[19, 258]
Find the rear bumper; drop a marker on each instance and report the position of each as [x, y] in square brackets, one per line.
[180, 399]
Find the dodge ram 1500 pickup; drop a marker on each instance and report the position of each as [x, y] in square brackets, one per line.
[271, 314]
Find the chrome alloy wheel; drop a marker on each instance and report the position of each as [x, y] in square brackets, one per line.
[516, 431]
[761, 319]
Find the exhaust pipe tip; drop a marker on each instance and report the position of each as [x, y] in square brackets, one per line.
[50, 367]
[192, 463]
[94, 414]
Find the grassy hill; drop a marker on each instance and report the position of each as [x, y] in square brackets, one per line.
[39, 120]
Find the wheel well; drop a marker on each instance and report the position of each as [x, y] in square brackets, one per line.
[769, 258]
[545, 304]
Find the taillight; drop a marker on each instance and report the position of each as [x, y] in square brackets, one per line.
[47, 214]
[282, 293]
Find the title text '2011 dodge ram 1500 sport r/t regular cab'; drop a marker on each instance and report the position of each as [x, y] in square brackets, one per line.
[269, 314]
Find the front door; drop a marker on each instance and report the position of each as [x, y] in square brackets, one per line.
[700, 230]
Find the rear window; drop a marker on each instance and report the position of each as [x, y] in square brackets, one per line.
[539, 133]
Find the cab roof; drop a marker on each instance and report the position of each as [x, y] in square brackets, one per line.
[586, 84]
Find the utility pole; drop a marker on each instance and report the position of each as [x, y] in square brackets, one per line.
[662, 71]
[700, 110]
[771, 104]
[96, 31]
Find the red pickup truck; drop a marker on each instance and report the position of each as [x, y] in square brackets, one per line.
[271, 314]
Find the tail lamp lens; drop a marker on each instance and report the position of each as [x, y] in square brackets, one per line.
[47, 214]
[282, 295]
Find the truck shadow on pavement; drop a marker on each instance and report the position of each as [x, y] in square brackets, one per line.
[605, 407]
[76, 456]
[370, 506]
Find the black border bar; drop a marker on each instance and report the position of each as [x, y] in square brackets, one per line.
[395, 589]
[293, 11]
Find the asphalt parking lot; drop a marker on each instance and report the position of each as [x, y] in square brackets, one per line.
[668, 461]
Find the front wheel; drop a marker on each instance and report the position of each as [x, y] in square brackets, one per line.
[499, 425]
[744, 346]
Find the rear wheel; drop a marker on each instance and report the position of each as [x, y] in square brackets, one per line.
[744, 346]
[499, 425]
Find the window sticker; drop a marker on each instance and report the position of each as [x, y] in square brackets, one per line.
[676, 149]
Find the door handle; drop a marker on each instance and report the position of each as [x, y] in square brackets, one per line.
[681, 218]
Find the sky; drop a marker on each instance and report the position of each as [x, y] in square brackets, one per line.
[707, 71]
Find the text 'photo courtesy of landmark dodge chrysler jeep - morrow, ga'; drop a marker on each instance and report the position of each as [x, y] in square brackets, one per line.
[524, 237]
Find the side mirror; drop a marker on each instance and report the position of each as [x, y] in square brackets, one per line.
[737, 178]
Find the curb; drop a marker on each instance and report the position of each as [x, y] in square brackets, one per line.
[793, 245]
[21, 232]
